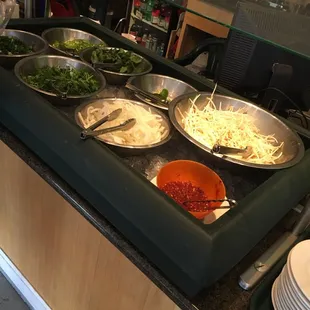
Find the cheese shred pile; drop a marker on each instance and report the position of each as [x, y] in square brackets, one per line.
[232, 128]
[147, 130]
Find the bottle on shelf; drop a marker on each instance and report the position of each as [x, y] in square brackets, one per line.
[156, 13]
[143, 4]
[167, 18]
[148, 43]
[139, 34]
[162, 15]
[144, 39]
[154, 44]
[160, 49]
[136, 8]
[149, 9]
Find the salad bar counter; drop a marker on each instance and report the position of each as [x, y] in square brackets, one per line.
[117, 175]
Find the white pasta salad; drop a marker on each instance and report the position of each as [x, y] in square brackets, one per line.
[148, 129]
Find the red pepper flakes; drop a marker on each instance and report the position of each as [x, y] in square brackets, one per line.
[186, 191]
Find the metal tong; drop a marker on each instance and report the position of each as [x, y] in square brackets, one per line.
[68, 51]
[226, 150]
[91, 132]
[146, 94]
[106, 66]
[232, 203]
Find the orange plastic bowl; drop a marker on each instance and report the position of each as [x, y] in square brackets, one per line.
[196, 173]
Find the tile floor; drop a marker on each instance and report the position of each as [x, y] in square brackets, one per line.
[9, 299]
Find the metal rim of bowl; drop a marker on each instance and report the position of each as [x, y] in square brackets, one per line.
[161, 76]
[22, 61]
[132, 147]
[118, 73]
[28, 54]
[290, 163]
[71, 29]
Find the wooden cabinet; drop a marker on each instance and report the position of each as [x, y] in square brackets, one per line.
[69, 263]
[194, 25]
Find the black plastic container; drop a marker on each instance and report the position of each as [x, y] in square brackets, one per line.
[190, 254]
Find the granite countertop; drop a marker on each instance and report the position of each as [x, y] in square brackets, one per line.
[224, 295]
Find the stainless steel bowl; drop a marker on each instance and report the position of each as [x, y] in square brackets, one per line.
[268, 124]
[155, 83]
[39, 45]
[61, 35]
[30, 64]
[116, 78]
[98, 103]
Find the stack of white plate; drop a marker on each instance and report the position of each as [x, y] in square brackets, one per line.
[291, 290]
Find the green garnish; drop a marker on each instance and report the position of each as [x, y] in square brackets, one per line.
[69, 81]
[163, 95]
[13, 46]
[128, 62]
[76, 45]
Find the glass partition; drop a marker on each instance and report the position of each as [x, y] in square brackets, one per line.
[279, 22]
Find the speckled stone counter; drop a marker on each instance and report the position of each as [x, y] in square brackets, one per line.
[224, 295]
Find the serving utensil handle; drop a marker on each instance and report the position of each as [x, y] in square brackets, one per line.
[226, 150]
[232, 203]
[145, 94]
[124, 126]
[110, 117]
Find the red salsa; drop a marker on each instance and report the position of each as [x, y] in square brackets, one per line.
[186, 191]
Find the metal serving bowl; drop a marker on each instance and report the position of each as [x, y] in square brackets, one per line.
[65, 34]
[98, 103]
[268, 124]
[30, 64]
[155, 83]
[39, 45]
[116, 78]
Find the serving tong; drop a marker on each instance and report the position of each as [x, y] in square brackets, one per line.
[91, 132]
[226, 150]
[68, 51]
[232, 203]
[147, 95]
[106, 66]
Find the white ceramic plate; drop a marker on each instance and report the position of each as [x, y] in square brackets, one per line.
[293, 292]
[299, 263]
[273, 295]
[288, 295]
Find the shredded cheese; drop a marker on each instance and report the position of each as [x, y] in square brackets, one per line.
[232, 128]
[147, 130]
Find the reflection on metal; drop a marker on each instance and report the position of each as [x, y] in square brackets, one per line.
[28, 8]
[260, 267]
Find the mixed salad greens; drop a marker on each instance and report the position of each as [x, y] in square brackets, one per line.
[76, 45]
[128, 62]
[13, 46]
[69, 81]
